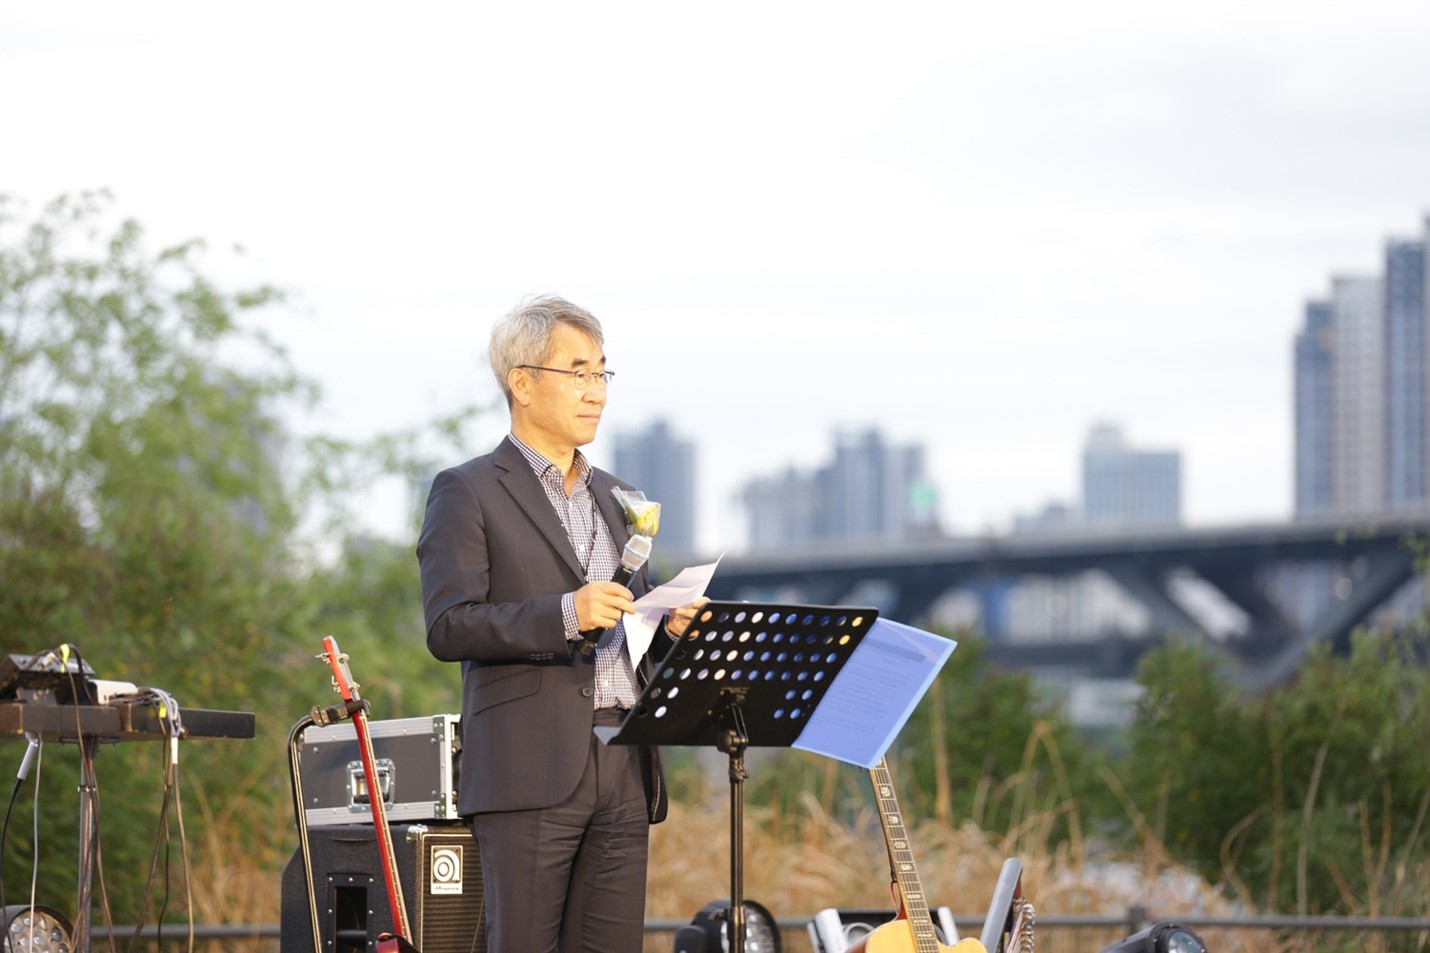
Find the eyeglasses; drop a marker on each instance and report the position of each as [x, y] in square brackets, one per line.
[581, 381]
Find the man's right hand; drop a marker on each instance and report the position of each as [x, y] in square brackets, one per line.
[600, 605]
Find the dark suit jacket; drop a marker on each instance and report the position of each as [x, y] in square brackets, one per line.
[495, 562]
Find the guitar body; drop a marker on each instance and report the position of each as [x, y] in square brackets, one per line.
[897, 936]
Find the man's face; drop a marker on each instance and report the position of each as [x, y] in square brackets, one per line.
[557, 414]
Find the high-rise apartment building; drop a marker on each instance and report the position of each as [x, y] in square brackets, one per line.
[1358, 390]
[1362, 369]
[870, 491]
[782, 510]
[662, 466]
[1407, 483]
[1126, 486]
[1313, 365]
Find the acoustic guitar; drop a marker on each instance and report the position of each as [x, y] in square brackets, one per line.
[912, 930]
[396, 941]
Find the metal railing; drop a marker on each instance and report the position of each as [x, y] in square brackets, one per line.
[792, 927]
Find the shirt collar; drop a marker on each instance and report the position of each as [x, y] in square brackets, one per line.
[541, 466]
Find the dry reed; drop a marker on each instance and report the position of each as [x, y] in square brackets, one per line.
[818, 855]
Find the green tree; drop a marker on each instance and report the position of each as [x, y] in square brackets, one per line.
[985, 745]
[142, 518]
[1197, 762]
[1346, 824]
[1310, 799]
[148, 516]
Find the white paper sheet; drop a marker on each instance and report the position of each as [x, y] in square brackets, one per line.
[688, 585]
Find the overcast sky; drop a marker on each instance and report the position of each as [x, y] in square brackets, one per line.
[978, 227]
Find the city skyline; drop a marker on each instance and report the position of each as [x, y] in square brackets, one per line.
[865, 489]
[980, 231]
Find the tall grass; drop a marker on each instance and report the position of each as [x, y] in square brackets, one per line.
[823, 846]
[821, 855]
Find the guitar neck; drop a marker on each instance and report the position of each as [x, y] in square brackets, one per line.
[348, 688]
[375, 798]
[901, 860]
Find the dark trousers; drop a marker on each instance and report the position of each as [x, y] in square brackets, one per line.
[571, 878]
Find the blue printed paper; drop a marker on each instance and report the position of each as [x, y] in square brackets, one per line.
[875, 693]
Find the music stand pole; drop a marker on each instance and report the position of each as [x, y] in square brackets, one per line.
[733, 741]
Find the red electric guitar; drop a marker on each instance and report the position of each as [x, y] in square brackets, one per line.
[397, 941]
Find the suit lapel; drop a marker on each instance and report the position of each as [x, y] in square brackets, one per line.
[526, 490]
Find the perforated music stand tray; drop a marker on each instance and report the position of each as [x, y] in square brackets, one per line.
[744, 675]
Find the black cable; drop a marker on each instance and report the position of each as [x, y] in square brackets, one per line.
[171, 724]
[172, 720]
[5, 832]
[32, 748]
[160, 839]
[184, 857]
[96, 857]
[15, 792]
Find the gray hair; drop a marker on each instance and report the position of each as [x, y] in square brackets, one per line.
[524, 335]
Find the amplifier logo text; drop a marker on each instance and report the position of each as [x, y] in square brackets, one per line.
[446, 869]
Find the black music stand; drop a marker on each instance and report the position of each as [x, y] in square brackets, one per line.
[744, 675]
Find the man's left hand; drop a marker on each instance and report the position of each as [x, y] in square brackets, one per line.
[679, 619]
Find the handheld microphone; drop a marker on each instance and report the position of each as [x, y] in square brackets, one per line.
[634, 556]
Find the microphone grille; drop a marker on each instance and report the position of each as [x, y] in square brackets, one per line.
[639, 547]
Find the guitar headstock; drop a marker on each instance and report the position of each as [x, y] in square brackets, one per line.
[343, 682]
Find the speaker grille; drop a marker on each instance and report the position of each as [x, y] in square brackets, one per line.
[449, 912]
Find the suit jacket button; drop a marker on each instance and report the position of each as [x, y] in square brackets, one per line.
[587, 692]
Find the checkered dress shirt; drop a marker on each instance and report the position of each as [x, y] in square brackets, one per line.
[596, 551]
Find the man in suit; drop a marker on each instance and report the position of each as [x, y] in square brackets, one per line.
[516, 552]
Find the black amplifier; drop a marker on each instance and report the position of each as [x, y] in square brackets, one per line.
[441, 876]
